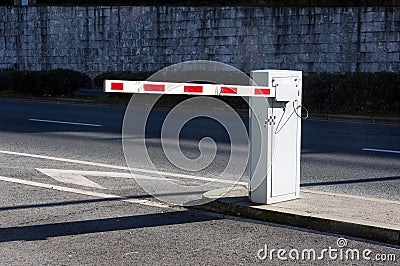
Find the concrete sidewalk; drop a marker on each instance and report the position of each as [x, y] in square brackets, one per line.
[369, 218]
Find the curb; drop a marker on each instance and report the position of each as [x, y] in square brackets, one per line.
[242, 207]
[357, 118]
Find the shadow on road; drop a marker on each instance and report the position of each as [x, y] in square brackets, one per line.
[351, 181]
[77, 202]
[41, 232]
[66, 203]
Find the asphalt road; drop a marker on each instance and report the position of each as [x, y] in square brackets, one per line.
[332, 157]
[47, 222]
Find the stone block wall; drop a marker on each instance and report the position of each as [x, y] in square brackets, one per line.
[100, 39]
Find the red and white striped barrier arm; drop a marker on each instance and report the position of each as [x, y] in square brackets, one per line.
[186, 88]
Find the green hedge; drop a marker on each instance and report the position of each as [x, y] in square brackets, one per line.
[352, 92]
[40, 83]
[122, 75]
[357, 93]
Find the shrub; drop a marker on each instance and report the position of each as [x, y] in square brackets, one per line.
[351, 92]
[322, 92]
[123, 75]
[60, 82]
[39, 83]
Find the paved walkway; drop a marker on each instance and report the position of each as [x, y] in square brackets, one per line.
[370, 218]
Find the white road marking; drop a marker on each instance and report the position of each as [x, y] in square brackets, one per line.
[77, 177]
[84, 192]
[63, 122]
[70, 178]
[97, 173]
[64, 160]
[379, 150]
[201, 178]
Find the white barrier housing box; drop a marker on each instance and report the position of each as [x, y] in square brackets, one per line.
[275, 126]
[276, 177]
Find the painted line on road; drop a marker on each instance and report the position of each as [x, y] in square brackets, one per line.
[78, 177]
[97, 173]
[84, 192]
[200, 178]
[64, 160]
[380, 150]
[64, 122]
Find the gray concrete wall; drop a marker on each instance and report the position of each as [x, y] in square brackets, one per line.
[99, 39]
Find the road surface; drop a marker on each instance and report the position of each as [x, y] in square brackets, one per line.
[48, 222]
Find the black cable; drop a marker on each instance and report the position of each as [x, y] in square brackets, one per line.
[302, 107]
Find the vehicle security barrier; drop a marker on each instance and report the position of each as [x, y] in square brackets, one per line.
[274, 145]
